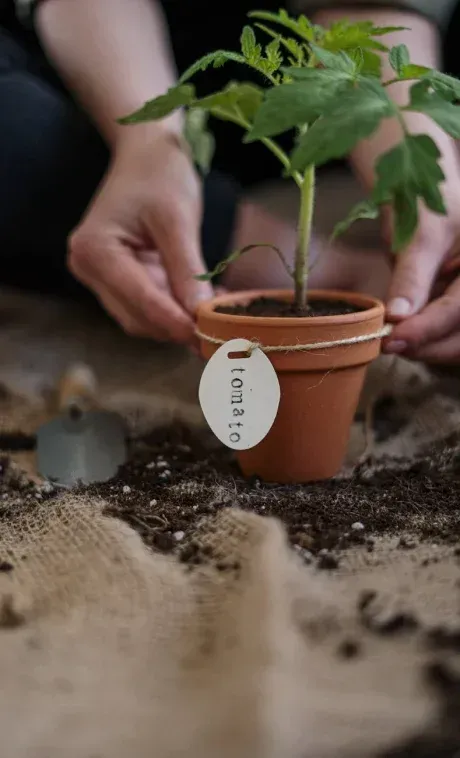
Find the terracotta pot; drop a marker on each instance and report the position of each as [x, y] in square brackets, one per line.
[319, 390]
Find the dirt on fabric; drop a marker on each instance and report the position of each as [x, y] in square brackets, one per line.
[269, 307]
[384, 536]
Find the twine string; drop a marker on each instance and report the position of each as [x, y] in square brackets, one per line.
[304, 348]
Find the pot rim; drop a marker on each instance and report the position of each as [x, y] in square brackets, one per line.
[373, 307]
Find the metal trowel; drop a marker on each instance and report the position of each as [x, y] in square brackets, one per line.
[83, 444]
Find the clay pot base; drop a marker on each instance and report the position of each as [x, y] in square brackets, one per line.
[320, 389]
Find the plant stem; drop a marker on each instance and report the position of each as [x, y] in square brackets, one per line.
[270, 144]
[302, 254]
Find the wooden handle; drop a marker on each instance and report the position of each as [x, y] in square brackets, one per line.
[77, 389]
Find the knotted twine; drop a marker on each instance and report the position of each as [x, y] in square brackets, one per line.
[385, 331]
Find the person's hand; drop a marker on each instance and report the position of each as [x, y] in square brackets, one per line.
[424, 298]
[138, 247]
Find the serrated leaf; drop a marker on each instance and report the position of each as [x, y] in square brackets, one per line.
[300, 26]
[363, 210]
[380, 31]
[405, 219]
[447, 87]
[248, 42]
[216, 60]
[249, 100]
[343, 35]
[372, 64]
[336, 61]
[412, 71]
[273, 55]
[200, 140]
[291, 45]
[354, 116]
[297, 103]
[443, 112]
[406, 173]
[162, 106]
[399, 58]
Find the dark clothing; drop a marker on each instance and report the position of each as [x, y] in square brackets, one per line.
[52, 159]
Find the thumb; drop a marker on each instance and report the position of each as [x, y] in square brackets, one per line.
[412, 280]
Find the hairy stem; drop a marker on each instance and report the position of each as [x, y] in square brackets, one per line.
[304, 228]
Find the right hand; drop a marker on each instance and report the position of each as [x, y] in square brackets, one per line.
[138, 247]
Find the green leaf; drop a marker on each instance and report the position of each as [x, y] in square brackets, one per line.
[364, 210]
[162, 106]
[399, 58]
[216, 60]
[292, 46]
[297, 103]
[273, 55]
[249, 100]
[406, 173]
[343, 35]
[380, 31]
[336, 61]
[372, 64]
[353, 116]
[249, 46]
[405, 218]
[412, 71]
[226, 98]
[200, 140]
[447, 87]
[300, 26]
[443, 112]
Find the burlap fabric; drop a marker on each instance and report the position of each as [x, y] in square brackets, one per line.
[108, 650]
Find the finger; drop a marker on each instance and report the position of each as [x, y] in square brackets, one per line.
[447, 351]
[412, 280]
[130, 324]
[177, 235]
[155, 269]
[436, 322]
[108, 266]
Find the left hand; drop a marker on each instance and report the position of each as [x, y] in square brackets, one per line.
[424, 295]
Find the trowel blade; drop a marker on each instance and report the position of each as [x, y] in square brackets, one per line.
[81, 450]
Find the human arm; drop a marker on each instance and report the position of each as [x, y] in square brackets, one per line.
[425, 321]
[114, 55]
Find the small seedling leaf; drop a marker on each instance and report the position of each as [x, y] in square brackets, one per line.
[216, 60]
[249, 46]
[349, 119]
[399, 58]
[300, 26]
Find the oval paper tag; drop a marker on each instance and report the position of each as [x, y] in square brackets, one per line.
[239, 396]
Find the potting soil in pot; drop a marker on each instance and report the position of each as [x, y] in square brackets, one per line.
[268, 307]
[165, 613]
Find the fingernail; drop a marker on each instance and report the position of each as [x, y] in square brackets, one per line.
[396, 346]
[399, 307]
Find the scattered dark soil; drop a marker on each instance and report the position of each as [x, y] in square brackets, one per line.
[265, 306]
